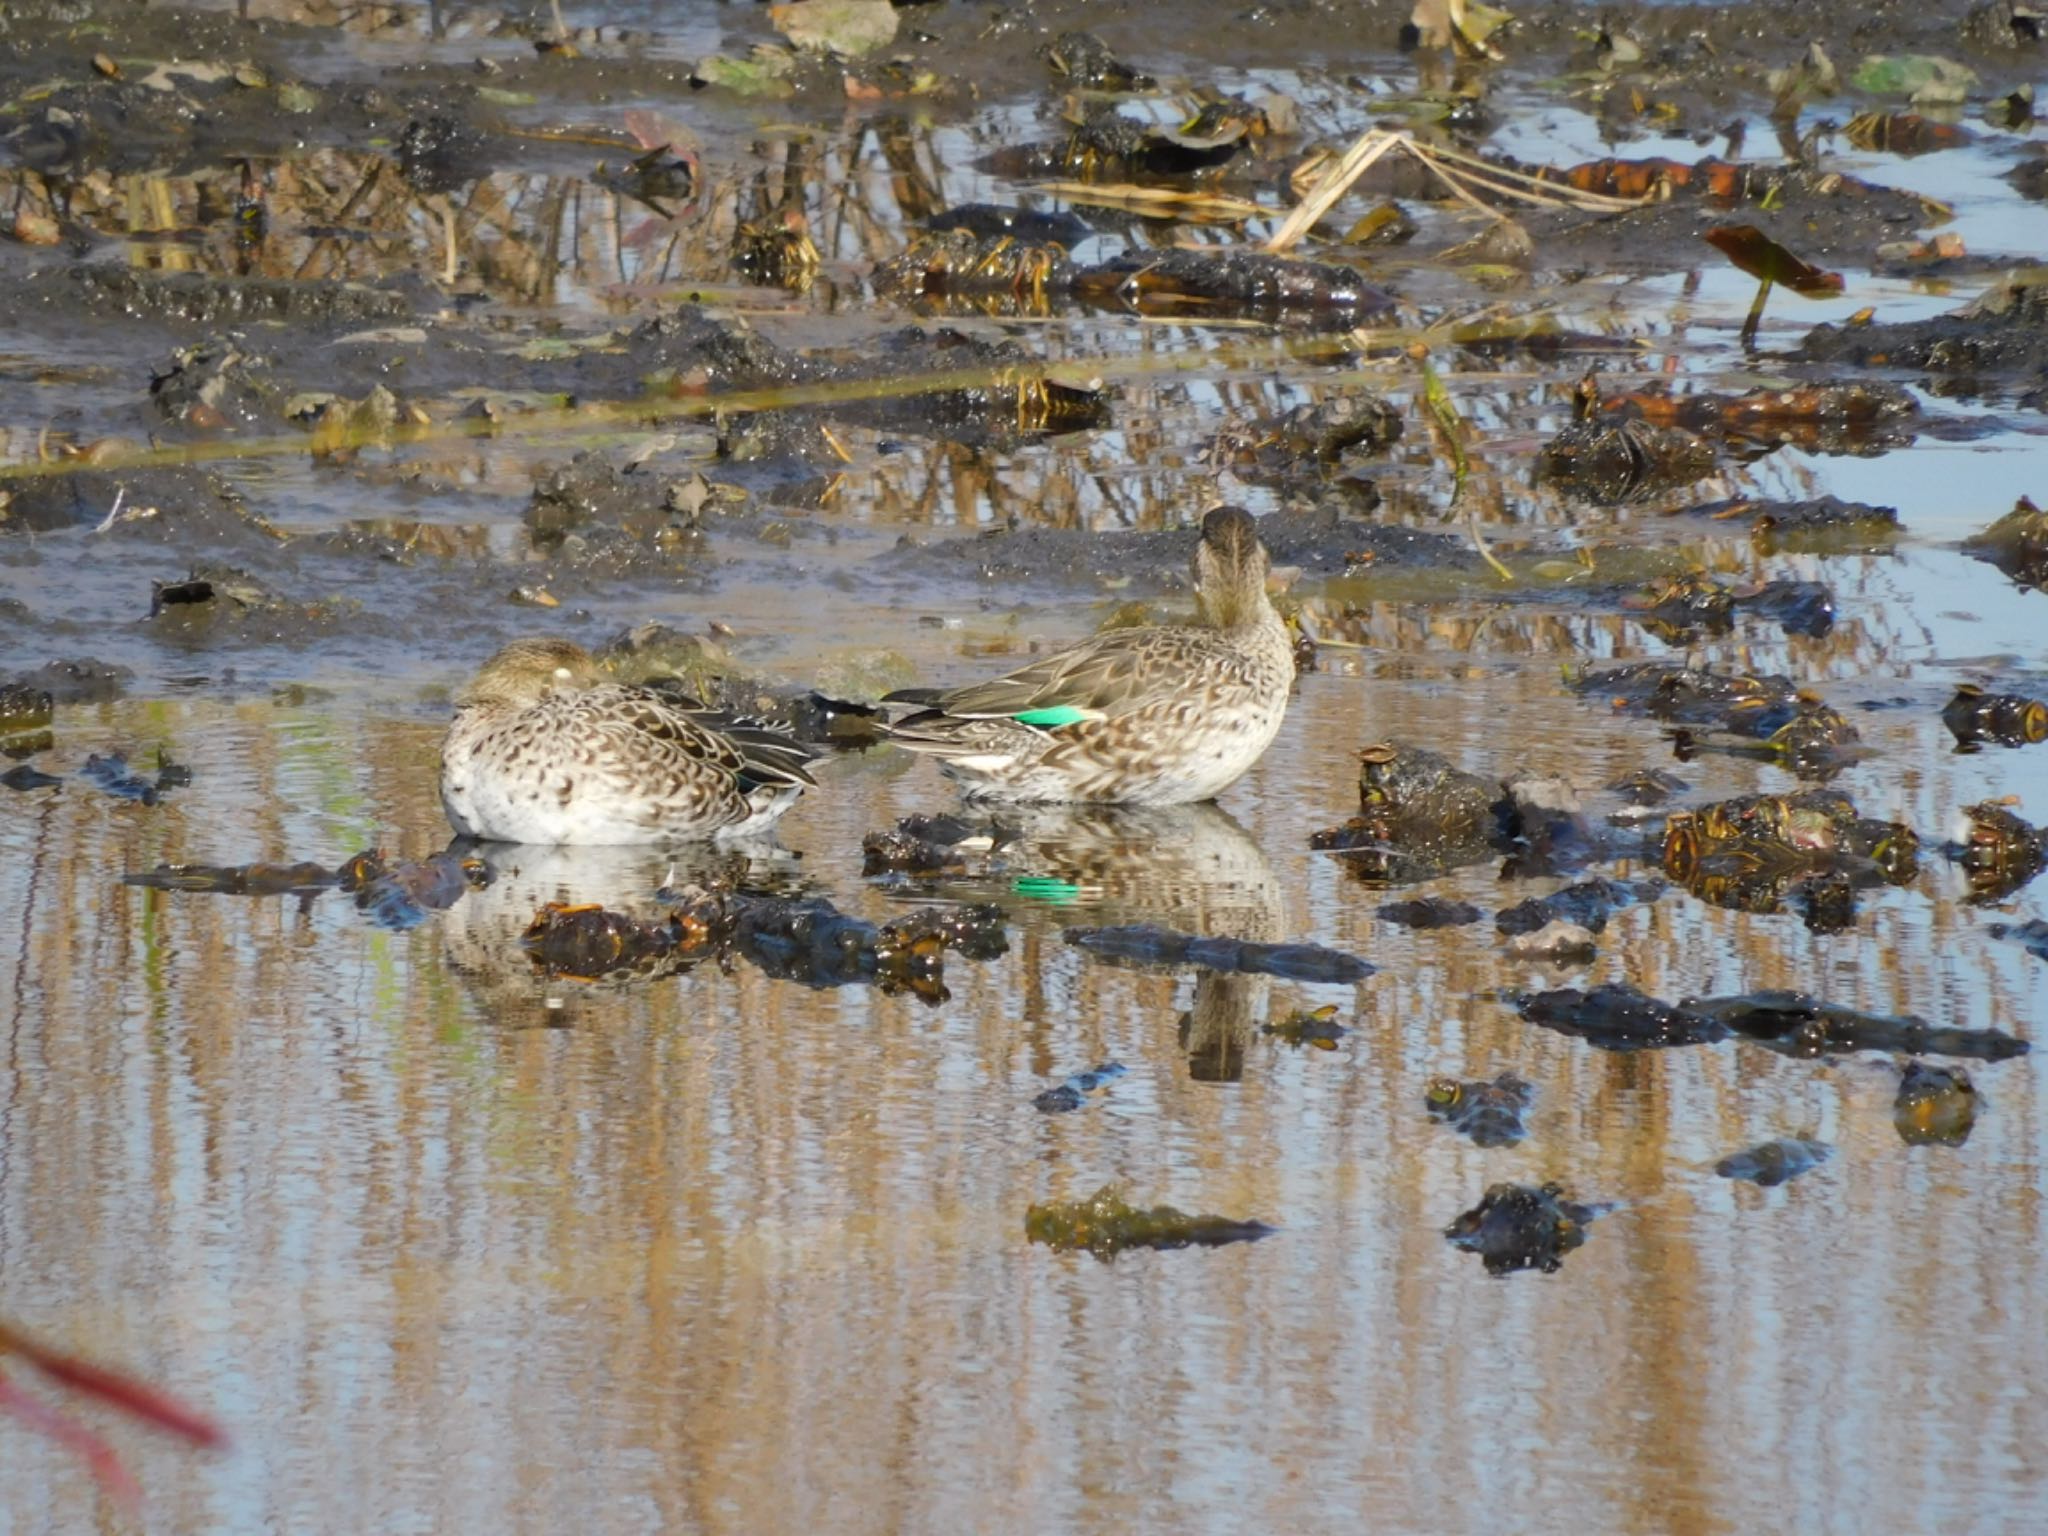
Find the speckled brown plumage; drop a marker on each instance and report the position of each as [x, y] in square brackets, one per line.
[1153, 716]
[542, 750]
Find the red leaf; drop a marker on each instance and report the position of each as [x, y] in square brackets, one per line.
[75, 1437]
[1764, 259]
[123, 1392]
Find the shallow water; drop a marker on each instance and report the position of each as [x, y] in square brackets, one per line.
[450, 1245]
[447, 1244]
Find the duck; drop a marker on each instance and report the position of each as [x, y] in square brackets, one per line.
[543, 749]
[1168, 714]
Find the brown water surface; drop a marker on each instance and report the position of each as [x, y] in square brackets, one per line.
[451, 1247]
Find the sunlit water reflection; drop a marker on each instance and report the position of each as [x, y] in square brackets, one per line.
[450, 1245]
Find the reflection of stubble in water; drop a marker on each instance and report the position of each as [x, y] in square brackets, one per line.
[481, 936]
[1215, 1030]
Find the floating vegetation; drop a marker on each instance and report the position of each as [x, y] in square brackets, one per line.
[21, 778]
[24, 708]
[1617, 1017]
[1105, 1224]
[1488, 1113]
[1855, 416]
[1193, 282]
[1586, 905]
[777, 252]
[1018, 275]
[2032, 935]
[1522, 1226]
[1143, 944]
[1622, 458]
[1794, 727]
[1936, 1106]
[2009, 719]
[2017, 544]
[2001, 332]
[1070, 1095]
[396, 895]
[112, 775]
[1775, 1162]
[2001, 852]
[928, 846]
[586, 942]
[401, 895]
[813, 943]
[1084, 60]
[1430, 912]
[1795, 1024]
[1418, 816]
[1317, 1027]
[1819, 526]
[304, 879]
[1751, 853]
[1683, 607]
[1644, 793]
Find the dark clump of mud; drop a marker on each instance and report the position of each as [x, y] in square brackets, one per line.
[1319, 539]
[1617, 1017]
[1997, 341]
[1521, 1226]
[200, 299]
[78, 680]
[1821, 525]
[173, 504]
[1490, 1114]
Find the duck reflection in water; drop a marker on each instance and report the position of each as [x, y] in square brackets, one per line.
[1187, 869]
[483, 936]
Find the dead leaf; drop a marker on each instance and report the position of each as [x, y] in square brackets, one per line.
[33, 228]
[1466, 25]
[1387, 224]
[1764, 259]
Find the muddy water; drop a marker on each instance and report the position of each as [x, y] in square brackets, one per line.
[449, 1245]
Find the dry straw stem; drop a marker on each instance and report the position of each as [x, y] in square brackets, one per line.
[1158, 200]
[1457, 171]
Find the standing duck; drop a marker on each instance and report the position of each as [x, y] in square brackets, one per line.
[543, 750]
[1162, 715]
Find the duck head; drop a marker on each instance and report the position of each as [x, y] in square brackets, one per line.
[527, 671]
[1231, 568]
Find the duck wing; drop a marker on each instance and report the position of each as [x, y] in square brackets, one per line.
[751, 751]
[1110, 675]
